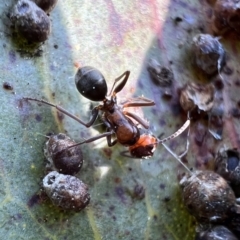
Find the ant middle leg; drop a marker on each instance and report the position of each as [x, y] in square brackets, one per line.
[92, 139]
[144, 123]
[94, 113]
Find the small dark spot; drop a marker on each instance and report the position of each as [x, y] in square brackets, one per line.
[120, 193]
[55, 46]
[167, 95]
[114, 218]
[177, 20]
[117, 180]
[162, 186]
[18, 216]
[155, 217]
[160, 75]
[38, 118]
[218, 84]
[201, 29]
[4, 45]
[176, 108]
[235, 112]
[233, 160]
[166, 199]
[60, 116]
[35, 199]
[106, 194]
[129, 169]
[200, 133]
[238, 104]
[12, 56]
[184, 159]
[111, 208]
[53, 94]
[7, 86]
[237, 83]
[139, 192]
[227, 70]
[108, 152]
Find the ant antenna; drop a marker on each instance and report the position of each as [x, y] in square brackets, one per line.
[177, 157]
[174, 135]
[43, 135]
[177, 133]
[126, 74]
[115, 81]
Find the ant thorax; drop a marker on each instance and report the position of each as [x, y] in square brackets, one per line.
[108, 104]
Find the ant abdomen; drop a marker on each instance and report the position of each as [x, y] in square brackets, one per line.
[91, 83]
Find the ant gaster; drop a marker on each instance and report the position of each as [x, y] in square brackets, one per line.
[91, 84]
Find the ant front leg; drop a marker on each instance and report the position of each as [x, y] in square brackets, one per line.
[138, 102]
[64, 111]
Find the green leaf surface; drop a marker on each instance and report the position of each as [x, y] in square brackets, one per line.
[112, 36]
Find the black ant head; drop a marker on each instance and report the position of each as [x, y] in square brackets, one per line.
[91, 83]
[144, 147]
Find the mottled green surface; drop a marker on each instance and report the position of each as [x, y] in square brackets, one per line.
[112, 36]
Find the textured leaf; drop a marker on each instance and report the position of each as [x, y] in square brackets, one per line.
[112, 36]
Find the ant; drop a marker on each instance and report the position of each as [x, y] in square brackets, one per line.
[91, 84]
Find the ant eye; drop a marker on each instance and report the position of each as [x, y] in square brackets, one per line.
[91, 83]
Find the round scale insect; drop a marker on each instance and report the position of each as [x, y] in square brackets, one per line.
[61, 158]
[227, 164]
[117, 119]
[226, 17]
[216, 233]
[208, 53]
[46, 5]
[162, 76]
[198, 96]
[208, 196]
[66, 191]
[30, 21]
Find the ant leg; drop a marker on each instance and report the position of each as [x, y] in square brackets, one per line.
[121, 85]
[187, 145]
[137, 118]
[176, 157]
[92, 139]
[139, 102]
[62, 110]
[110, 142]
[109, 129]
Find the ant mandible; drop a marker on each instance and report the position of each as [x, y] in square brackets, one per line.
[91, 84]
